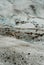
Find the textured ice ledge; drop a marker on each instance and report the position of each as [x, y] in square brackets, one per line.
[17, 52]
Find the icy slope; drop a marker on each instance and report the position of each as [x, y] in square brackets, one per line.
[20, 10]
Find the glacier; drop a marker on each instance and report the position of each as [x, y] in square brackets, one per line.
[21, 32]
